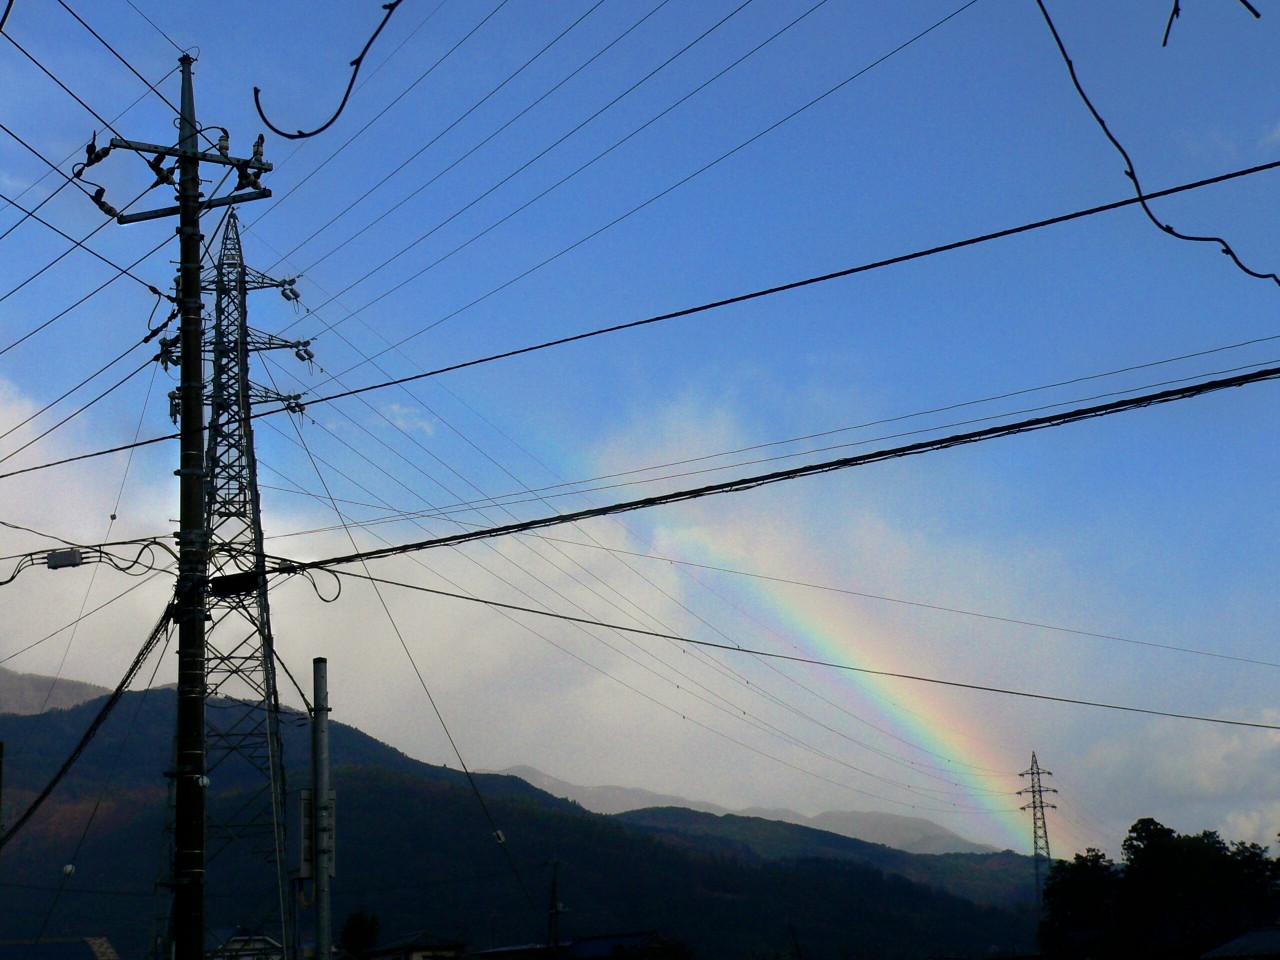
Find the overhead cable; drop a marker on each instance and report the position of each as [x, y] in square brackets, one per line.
[712, 305]
[355, 71]
[794, 284]
[792, 658]
[827, 466]
[1131, 172]
[471, 109]
[157, 632]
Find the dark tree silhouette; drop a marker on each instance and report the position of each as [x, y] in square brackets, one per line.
[1175, 896]
[359, 933]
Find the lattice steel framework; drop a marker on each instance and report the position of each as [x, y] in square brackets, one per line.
[243, 735]
[1039, 829]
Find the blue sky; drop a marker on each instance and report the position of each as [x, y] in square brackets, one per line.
[1156, 526]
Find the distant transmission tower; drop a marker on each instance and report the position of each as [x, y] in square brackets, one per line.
[1037, 807]
[245, 767]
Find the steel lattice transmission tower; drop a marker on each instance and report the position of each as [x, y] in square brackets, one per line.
[243, 735]
[1037, 806]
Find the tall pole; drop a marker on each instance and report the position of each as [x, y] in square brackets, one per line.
[189, 774]
[322, 809]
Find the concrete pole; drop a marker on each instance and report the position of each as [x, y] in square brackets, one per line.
[322, 808]
[189, 773]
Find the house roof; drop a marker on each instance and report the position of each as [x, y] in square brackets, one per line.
[1264, 942]
[81, 948]
[580, 948]
[417, 942]
[585, 948]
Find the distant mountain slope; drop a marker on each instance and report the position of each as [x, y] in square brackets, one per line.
[993, 878]
[912, 834]
[416, 849]
[607, 799]
[136, 744]
[27, 693]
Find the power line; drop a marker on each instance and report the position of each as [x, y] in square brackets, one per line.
[828, 466]
[89, 456]
[157, 632]
[82, 408]
[573, 488]
[475, 106]
[154, 27]
[542, 153]
[475, 788]
[712, 305]
[124, 271]
[400, 96]
[115, 53]
[356, 64]
[725, 705]
[791, 658]
[152, 333]
[612, 223]
[1130, 170]
[792, 285]
[929, 606]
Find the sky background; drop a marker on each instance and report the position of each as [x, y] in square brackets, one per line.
[510, 173]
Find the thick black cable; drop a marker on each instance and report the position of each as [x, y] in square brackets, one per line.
[355, 70]
[104, 711]
[90, 456]
[102, 793]
[792, 658]
[426, 146]
[828, 466]
[1177, 12]
[4, 17]
[702, 308]
[1130, 170]
[569, 488]
[730, 708]
[542, 153]
[798, 284]
[376, 117]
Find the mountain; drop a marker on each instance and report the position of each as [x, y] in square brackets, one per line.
[912, 834]
[416, 849]
[27, 693]
[607, 800]
[1002, 878]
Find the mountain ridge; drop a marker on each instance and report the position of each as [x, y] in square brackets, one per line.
[416, 849]
[911, 834]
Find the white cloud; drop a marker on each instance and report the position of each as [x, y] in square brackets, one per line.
[409, 418]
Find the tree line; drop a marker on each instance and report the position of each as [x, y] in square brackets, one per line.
[1173, 896]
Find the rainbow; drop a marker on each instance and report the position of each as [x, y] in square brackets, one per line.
[980, 775]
